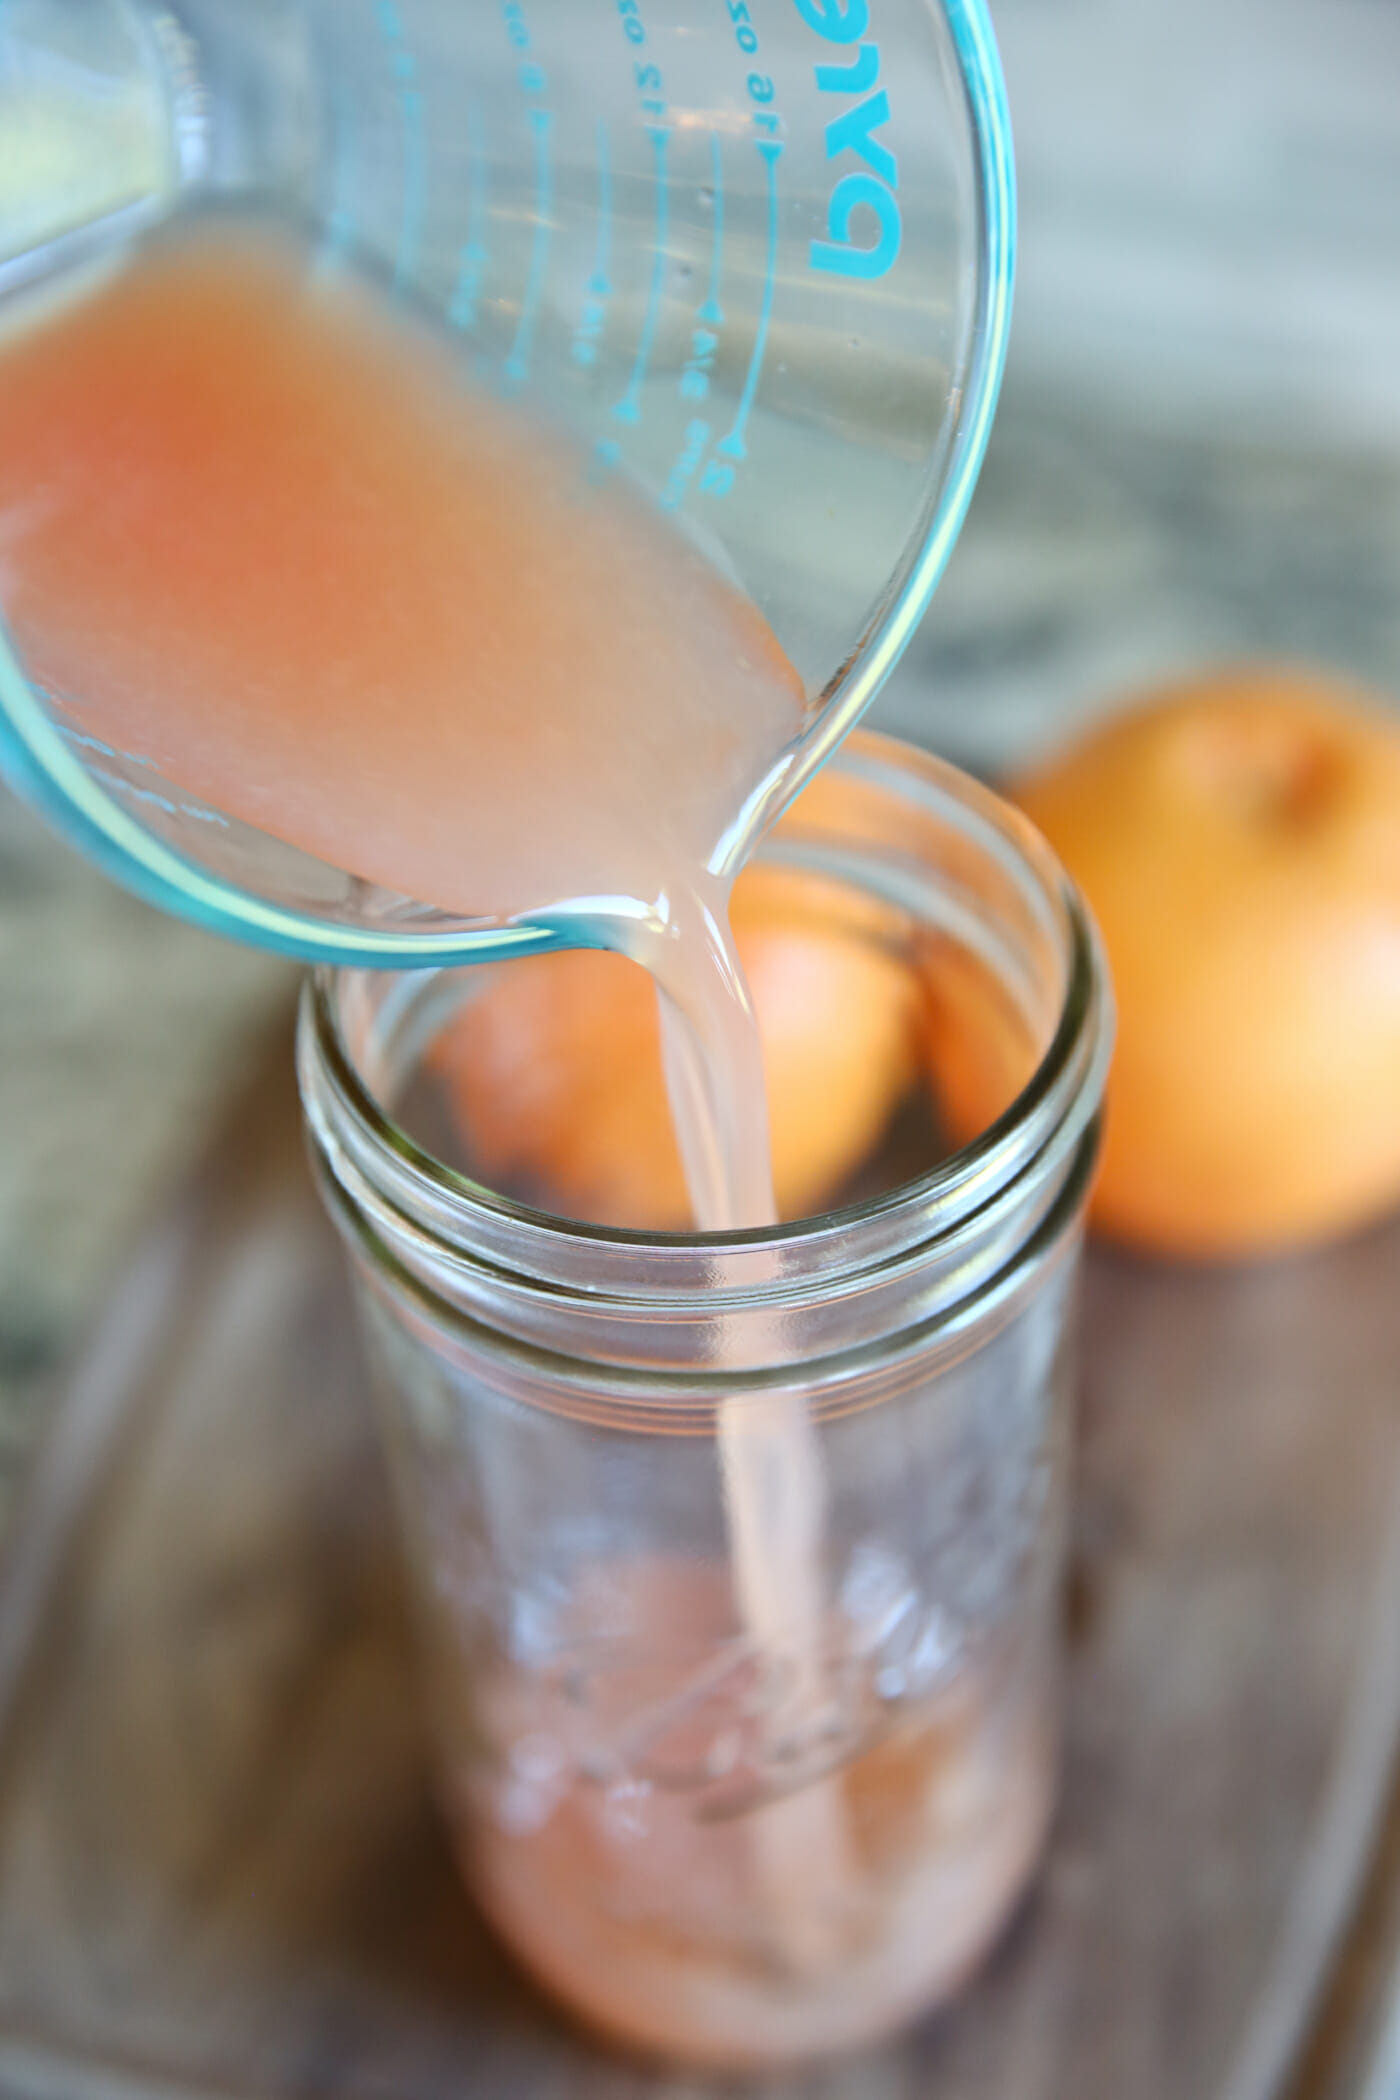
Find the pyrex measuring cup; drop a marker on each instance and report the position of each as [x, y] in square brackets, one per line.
[755, 255]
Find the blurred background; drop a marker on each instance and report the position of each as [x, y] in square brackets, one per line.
[1197, 458]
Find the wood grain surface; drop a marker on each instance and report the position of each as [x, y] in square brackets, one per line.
[220, 1872]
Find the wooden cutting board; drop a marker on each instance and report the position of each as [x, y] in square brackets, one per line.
[220, 1872]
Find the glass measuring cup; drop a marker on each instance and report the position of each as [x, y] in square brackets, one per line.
[755, 259]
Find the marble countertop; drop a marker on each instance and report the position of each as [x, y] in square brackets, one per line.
[1198, 457]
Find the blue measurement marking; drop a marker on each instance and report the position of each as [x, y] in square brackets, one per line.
[711, 313]
[119, 786]
[471, 264]
[607, 454]
[733, 446]
[404, 66]
[340, 227]
[598, 282]
[599, 286]
[629, 408]
[87, 743]
[697, 436]
[415, 180]
[598, 289]
[117, 781]
[517, 364]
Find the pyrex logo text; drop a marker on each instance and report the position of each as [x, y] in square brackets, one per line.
[845, 22]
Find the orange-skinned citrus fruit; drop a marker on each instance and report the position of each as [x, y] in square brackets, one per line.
[1238, 840]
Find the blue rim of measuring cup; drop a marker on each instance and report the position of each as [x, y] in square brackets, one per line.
[36, 759]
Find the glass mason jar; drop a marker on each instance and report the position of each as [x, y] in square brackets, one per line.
[715, 1845]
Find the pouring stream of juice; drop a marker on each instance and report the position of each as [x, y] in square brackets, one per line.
[258, 533]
